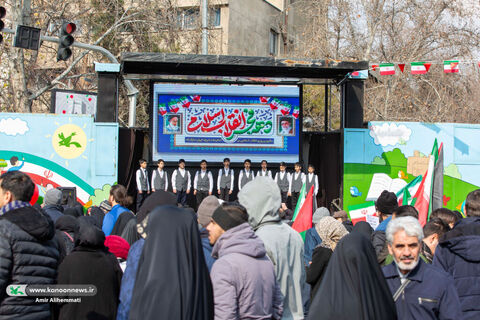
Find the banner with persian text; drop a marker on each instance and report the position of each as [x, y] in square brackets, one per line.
[211, 122]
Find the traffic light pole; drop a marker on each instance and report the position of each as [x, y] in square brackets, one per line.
[132, 92]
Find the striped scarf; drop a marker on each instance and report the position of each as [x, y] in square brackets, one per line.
[16, 204]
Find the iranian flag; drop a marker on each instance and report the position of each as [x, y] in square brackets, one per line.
[274, 104]
[264, 99]
[195, 98]
[299, 204]
[423, 197]
[285, 109]
[450, 66]
[174, 106]
[296, 112]
[364, 212]
[185, 102]
[418, 68]
[405, 195]
[387, 69]
[162, 109]
[302, 220]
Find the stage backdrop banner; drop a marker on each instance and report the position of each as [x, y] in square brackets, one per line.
[211, 122]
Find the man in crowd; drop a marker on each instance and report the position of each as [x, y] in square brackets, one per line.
[160, 177]
[143, 186]
[246, 175]
[458, 254]
[181, 182]
[202, 183]
[433, 231]
[225, 181]
[283, 179]
[284, 246]
[205, 212]
[385, 205]
[28, 250]
[420, 291]
[52, 204]
[243, 277]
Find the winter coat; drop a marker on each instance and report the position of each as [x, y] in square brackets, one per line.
[431, 293]
[379, 241]
[261, 197]
[55, 211]
[128, 279]
[316, 270]
[243, 278]
[91, 263]
[111, 218]
[312, 239]
[207, 248]
[459, 255]
[28, 255]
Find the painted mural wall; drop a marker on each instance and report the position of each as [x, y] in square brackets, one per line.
[61, 150]
[395, 153]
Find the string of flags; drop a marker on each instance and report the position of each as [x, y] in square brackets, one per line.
[417, 67]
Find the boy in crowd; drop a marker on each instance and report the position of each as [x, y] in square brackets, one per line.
[296, 182]
[160, 177]
[225, 181]
[181, 182]
[283, 179]
[143, 186]
[246, 175]
[264, 172]
[202, 183]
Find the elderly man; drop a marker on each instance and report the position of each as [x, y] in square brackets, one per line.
[420, 290]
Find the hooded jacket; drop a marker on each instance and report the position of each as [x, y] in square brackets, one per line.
[91, 263]
[261, 197]
[243, 278]
[459, 255]
[28, 255]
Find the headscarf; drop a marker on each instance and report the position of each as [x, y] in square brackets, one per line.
[98, 214]
[353, 285]
[158, 198]
[319, 214]
[330, 231]
[87, 234]
[66, 223]
[172, 279]
[364, 228]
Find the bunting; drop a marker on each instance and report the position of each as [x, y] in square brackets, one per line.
[419, 67]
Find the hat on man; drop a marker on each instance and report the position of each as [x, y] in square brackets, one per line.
[340, 214]
[387, 202]
[229, 219]
[52, 197]
[319, 214]
[206, 208]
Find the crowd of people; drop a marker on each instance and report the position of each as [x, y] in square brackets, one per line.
[234, 260]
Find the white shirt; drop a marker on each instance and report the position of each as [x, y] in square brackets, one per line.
[240, 176]
[294, 176]
[262, 173]
[138, 175]
[158, 174]
[315, 186]
[280, 175]
[202, 174]
[182, 173]
[227, 172]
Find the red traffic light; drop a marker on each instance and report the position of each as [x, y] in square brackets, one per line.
[69, 28]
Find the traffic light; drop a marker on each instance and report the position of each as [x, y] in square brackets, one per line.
[3, 12]
[66, 40]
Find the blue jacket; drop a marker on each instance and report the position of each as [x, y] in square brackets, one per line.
[459, 255]
[431, 294]
[55, 211]
[128, 279]
[207, 249]
[111, 217]
[312, 239]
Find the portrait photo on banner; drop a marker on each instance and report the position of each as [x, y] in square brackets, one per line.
[172, 123]
[285, 126]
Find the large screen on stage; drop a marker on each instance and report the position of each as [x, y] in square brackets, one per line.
[212, 122]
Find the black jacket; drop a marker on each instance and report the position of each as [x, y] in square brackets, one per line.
[28, 255]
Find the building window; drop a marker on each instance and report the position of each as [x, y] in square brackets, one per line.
[273, 51]
[214, 17]
[188, 19]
